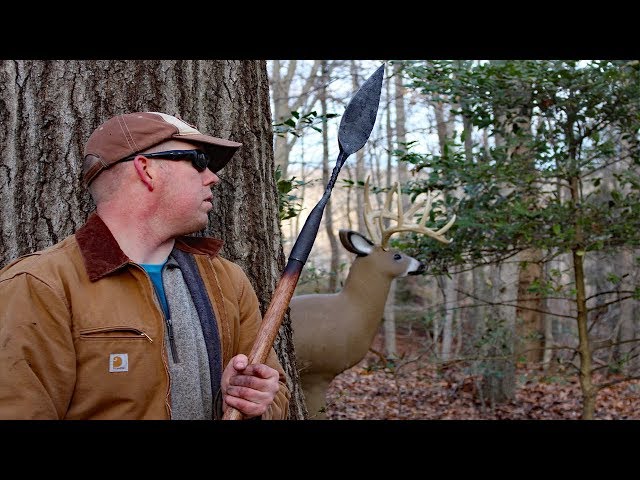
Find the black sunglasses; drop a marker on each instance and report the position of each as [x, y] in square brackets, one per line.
[198, 158]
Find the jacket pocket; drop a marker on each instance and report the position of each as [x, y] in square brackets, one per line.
[118, 332]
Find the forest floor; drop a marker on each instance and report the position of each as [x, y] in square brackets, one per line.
[413, 389]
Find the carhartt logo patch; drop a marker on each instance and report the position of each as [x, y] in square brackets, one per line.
[119, 362]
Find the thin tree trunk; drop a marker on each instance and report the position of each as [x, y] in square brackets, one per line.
[390, 344]
[448, 314]
[328, 213]
[355, 85]
[589, 390]
[628, 329]
[301, 193]
[284, 103]
[447, 285]
[478, 280]
[463, 313]
[389, 324]
[441, 125]
[401, 131]
[549, 341]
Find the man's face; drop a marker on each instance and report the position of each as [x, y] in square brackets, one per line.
[183, 194]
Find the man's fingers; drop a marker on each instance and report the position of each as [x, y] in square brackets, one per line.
[249, 394]
[261, 370]
[246, 407]
[246, 381]
[240, 362]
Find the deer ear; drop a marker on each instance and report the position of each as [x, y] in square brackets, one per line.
[355, 242]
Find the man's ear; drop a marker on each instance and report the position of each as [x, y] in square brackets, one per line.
[142, 164]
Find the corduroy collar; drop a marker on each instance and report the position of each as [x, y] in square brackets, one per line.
[102, 254]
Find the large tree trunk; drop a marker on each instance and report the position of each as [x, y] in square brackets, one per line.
[499, 379]
[530, 332]
[498, 382]
[626, 352]
[529, 320]
[51, 107]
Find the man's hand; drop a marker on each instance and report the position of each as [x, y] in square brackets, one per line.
[250, 389]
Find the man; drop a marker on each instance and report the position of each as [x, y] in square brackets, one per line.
[129, 318]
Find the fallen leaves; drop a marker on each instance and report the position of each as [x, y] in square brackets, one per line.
[421, 392]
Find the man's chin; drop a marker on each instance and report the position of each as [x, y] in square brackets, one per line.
[197, 226]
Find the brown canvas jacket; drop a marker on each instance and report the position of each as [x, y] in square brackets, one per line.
[72, 312]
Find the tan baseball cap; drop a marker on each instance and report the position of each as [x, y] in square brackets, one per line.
[130, 133]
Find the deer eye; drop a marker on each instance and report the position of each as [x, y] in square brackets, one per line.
[397, 256]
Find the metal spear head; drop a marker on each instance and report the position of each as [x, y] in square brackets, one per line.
[360, 115]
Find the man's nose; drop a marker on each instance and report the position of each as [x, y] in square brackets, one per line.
[210, 177]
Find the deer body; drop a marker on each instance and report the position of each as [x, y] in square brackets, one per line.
[333, 332]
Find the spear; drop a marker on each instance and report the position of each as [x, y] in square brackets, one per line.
[355, 128]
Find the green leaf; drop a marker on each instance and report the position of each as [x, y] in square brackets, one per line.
[613, 278]
[615, 194]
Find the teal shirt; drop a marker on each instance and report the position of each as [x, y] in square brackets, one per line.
[155, 272]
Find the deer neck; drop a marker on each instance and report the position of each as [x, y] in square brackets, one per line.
[366, 284]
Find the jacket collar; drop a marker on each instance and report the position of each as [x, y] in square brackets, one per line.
[102, 254]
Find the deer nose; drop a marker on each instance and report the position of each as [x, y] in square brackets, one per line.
[420, 270]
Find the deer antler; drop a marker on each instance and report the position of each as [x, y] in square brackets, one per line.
[404, 221]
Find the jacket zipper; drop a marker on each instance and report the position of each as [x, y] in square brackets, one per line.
[172, 343]
[167, 318]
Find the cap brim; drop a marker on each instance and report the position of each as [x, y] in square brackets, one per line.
[219, 150]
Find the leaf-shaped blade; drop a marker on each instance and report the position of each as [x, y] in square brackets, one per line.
[360, 115]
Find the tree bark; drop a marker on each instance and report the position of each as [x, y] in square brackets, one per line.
[51, 107]
[498, 382]
[628, 324]
[529, 321]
